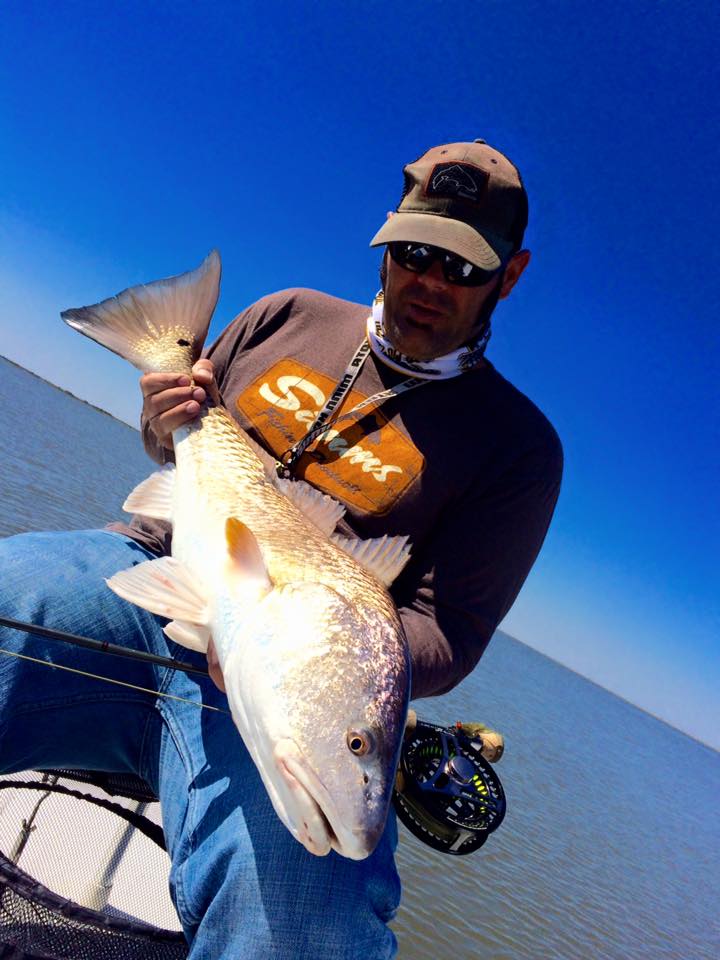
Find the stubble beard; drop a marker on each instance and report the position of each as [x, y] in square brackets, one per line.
[480, 328]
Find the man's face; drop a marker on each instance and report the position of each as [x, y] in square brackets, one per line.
[426, 317]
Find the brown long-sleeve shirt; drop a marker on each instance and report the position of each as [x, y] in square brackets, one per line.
[468, 467]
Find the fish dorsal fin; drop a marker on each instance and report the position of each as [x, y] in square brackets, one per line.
[165, 587]
[156, 326]
[324, 511]
[245, 554]
[190, 635]
[384, 557]
[153, 496]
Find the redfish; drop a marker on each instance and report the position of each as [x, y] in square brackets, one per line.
[312, 650]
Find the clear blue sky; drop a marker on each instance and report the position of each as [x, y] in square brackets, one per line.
[136, 137]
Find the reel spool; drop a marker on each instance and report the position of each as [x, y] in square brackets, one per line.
[446, 793]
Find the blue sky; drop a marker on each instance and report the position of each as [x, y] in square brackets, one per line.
[136, 137]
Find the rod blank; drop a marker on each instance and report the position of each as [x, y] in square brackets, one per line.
[101, 646]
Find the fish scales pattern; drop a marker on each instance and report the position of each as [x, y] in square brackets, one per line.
[221, 468]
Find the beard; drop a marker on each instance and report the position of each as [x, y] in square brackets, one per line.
[481, 327]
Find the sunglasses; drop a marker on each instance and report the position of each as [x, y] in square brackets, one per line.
[419, 257]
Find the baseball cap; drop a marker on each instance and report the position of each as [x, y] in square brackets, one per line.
[464, 197]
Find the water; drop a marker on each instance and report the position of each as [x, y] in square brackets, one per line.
[64, 465]
[610, 846]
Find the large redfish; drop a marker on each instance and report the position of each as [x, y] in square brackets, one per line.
[312, 650]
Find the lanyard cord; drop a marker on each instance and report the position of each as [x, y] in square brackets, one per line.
[289, 459]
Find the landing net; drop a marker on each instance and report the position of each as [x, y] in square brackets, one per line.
[83, 871]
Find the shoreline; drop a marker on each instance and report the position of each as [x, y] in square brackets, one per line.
[613, 693]
[69, 393]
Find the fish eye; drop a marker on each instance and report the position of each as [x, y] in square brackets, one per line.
[360, 742]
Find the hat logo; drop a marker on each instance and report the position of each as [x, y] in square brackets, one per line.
[457, 180]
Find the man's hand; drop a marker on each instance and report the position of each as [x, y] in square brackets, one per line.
[493, 743]
[172, 399]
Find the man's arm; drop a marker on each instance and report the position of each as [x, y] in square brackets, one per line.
[460, 584]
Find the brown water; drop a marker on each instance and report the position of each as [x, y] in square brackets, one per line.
[611, 842]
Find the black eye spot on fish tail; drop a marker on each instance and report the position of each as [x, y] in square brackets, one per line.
[183, 343]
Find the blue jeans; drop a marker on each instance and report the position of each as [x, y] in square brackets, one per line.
[242, 886]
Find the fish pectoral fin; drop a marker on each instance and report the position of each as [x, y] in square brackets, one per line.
[245, 555]
[190, 635]
[153, 497]
[324, 511]
[384, 557]
[165, 587]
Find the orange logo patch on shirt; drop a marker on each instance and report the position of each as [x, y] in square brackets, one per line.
[367, 462]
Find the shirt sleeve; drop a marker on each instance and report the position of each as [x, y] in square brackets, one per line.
[462, 582]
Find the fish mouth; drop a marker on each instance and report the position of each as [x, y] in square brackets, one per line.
[318, 824]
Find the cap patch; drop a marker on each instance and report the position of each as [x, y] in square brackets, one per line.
[457, 180]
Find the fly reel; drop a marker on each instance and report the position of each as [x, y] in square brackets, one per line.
[446, 793]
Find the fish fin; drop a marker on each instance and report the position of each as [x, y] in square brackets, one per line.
[324, 511]
[153, 496]
[245, 555]
[165, 587]
[190, 635]
[384, 557]
[159, 326]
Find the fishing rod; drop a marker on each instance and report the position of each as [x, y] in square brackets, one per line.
[102, 646]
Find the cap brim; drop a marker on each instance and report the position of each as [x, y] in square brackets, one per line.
[452, 235]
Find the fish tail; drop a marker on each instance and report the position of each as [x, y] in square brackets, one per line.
[159, 326]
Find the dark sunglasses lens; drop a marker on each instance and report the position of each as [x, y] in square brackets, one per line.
[412, 256]
[465, 274]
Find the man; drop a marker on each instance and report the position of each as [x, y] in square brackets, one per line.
[448, 453]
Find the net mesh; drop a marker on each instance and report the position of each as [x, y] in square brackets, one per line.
[123, 785]
[82, 875]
